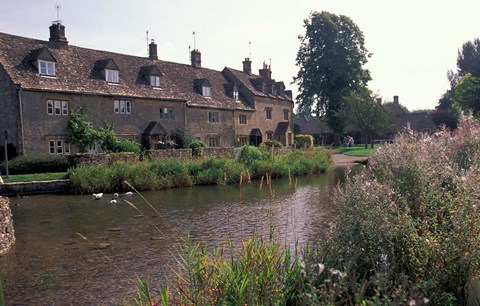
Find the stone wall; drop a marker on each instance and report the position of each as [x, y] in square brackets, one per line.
[106, 159]
[7, 233]
[180, 154]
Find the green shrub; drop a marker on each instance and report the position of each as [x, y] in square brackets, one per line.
[304, 141]
[181, 138]
[126, 146]
[197, 148]
[249, 154]
[270, 143]
[38, 163]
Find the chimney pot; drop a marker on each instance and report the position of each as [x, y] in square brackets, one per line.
[247, 66]
[395, 100]
[265, 72]
[152, 51]
[57, 35]
[196, 58]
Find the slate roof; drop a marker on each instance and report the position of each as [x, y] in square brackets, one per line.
[418, 121]
[309, 124]
[78, 71]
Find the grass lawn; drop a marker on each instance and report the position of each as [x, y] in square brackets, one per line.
[358, 150]
[35, 177]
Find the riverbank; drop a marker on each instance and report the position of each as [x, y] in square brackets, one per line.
[342, 160]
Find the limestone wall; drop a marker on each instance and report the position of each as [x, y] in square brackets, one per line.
[7, 234]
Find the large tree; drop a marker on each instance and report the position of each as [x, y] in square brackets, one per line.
[365, 113]
[468, 59]
[330, 60]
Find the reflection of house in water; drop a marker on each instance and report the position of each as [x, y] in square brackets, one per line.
[146, 99]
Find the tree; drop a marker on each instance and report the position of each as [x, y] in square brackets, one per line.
[467, 94]
[468, 59]
[365, 113]
[330, 60]
[82, 132]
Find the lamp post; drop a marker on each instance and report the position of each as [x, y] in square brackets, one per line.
[6, 153]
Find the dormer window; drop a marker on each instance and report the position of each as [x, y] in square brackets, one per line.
[111, 76]
[206, 91]
[235, 95]
[46, 68]
[43, 61]
[203, 86]
[155, 81]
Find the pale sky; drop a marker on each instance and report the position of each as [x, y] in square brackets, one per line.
[413, 43]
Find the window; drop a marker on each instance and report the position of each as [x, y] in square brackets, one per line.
[166, 113]
[268, 113]
[59, 146]
[243, 140]
[235, 94]
[269, 135]
[154, 81]
[57, 107]
[122, 107]
[111, 76]
[206, 91]
[285, 114]
[214, 116]
[242, 119]
[213, 141]
[46, 68]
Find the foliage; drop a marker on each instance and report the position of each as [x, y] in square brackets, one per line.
[107, 137]
[410, 223]
[331, 58]
[467, 94]
[304, 141]
[181, 138]
[168, 173]
[468, 59]
[357, 150]
[198, 144]
[365, 114]
[271, 143]
[38, 163]
[82, 132]
[126, 146]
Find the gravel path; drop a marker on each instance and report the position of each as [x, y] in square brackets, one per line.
[341, 160]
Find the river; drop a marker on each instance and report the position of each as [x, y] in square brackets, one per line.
[56, 260]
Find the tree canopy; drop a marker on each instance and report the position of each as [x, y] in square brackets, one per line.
[330, 60]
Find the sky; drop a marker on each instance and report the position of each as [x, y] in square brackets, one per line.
[414, 43]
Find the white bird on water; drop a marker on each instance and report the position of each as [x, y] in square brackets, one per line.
[97, 196]
[129, 193]
[113, 201]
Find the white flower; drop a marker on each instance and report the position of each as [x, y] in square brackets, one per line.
[321, 267]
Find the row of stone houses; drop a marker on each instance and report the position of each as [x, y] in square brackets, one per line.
[145, 98]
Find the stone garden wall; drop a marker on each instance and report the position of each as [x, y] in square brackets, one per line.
[7, 234]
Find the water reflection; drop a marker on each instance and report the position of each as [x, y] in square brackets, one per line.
[51, 264]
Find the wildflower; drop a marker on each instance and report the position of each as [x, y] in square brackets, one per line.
[321, 267]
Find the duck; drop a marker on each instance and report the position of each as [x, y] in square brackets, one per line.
[97, 196]
[115, 195]
[113, 201]
[129, 193]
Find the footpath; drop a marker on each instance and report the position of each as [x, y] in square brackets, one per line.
[341, 160]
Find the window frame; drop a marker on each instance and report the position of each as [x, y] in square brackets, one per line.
[242, 119]
[214, 117]
[286, 114]
[112, 76]
[155, 81]
[236, 95]
[206, 91]
[268, 113]
[59, 147]
[46, 68]
[122, 107]
[213, 141]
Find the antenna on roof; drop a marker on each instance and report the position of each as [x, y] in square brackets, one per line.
[189, 53]
[58, 7]
[194, 44]
[250, 49]
[148, 50]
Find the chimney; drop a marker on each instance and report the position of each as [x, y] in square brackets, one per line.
[196, 58]
[247, 66]
[265, 72]
[152, 51]
[395, 100]
[57, 35]
[379, 101]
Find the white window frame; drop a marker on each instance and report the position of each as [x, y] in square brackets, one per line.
[206, 91]
[166, 113]
[116, 106]
[111, 76]
[58, 107]
[268, 113]
[59, 147]
[154, 81]
[64, 108]
[46, 68]
[213, 141]
[122, 107]
[235, 95]
[50, 107]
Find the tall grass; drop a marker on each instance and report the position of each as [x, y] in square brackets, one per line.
[171, 173]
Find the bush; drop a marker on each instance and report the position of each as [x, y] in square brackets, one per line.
[38, 163]
[410, 223]
[270, 143]
[304, 141]
[126, 146]
[181, 138]
[197, 148]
